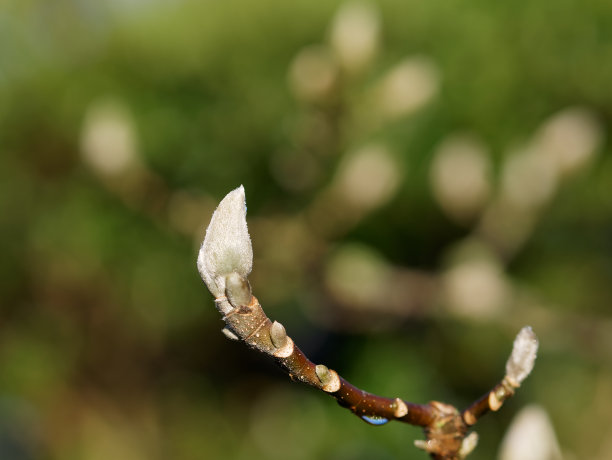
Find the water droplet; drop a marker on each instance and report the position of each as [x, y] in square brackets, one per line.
[374, 419]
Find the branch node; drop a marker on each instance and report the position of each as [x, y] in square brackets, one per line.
[499, 394]
[328, 378]
[469, 418]
[400, 409]
[285, 351]
[334, 383]
[512, 383]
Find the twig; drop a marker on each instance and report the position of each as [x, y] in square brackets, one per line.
[224, 262]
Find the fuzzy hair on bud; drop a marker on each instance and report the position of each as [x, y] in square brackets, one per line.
[523, 355]
[227, 245]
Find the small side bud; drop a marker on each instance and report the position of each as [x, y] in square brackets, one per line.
[237, 290]
[423, 445]
[523, 356]
[323, 374]
[399, 408]
[496, 400]
[468, 444]
[229, 334]
[278, 334]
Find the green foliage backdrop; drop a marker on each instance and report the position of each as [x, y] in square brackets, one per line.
[411, 208]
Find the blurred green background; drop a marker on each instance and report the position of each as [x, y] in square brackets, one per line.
[423, 179]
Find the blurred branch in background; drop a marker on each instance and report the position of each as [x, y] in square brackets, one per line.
[455, 156]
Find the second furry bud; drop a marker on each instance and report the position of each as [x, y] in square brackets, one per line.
[237, 290]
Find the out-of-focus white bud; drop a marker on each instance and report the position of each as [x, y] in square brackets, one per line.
[313, 74]
[108, 138]
[358, 276]
[355, 33]
[475, 285]
[460, 176]
[408, 86]
[571, 138]
[227, 245]
[529, 179]
[530, 437]
[523, 356]
[368, 177]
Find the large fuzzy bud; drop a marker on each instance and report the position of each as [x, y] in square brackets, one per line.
[523, 356]
[227, 245]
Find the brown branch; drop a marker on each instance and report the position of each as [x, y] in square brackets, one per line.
[444, 426]
[491, 401]
[250, 324]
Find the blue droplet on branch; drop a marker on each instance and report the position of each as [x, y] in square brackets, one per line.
[374, 419]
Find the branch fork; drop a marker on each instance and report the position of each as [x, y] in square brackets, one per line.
[224, 262]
